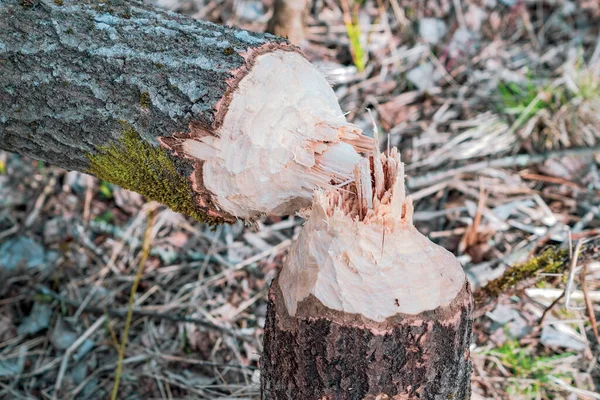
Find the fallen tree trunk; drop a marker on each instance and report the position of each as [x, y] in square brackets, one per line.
[215, 122]
[365, 306]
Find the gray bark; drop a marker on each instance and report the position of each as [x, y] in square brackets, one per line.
[69, 73]
[73, 73]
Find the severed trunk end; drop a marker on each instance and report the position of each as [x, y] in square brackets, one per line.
[365, 306]
[282, 136]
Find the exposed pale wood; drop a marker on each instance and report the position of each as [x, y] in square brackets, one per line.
[360, 253]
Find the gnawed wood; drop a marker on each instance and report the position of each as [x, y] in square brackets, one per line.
[365, 305]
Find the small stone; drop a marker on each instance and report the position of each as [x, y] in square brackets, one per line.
[560, 336]
[423, 77]
[62, 336]
[38, 319]
[14, 366]
[510, 319]
[85, 348]
[503, 314]
[79, 372]
[21, 252]
[432, 30]
[90, 388]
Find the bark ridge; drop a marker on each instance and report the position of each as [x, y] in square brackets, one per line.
[326, 354]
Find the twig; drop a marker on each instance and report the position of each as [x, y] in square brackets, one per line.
[518, 278]
[71, 350]
[140, 313]
[586, 394]
[550, 307]
[40, 201]
[571, 276]
[250, 260]
[113, 334]
[459, 14]
[588, 303]
[89, 193]
[10, 231]
[521, 160]
[14, 392]
[551, 293]
[138, 277]
[401, 19]
[193, 361]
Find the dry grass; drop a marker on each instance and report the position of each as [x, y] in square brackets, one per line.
[500, 136]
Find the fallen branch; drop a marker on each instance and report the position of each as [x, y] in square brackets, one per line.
[553, 260]
[215, 122]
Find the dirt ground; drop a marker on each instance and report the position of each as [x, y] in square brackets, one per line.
[495, 107]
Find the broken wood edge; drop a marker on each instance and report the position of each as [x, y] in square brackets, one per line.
[304, 131]
[359, 252]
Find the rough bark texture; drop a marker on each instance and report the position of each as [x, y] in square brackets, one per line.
[325, 354]
[82, 83]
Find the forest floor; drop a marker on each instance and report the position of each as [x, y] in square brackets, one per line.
[452, 84]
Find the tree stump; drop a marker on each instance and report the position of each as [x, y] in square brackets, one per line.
[365, 306]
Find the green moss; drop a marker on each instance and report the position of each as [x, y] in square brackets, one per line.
[550, 261]
[137, 165]
[145, 100]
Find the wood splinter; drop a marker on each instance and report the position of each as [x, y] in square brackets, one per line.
[366, 307]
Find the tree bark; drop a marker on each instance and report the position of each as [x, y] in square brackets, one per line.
[123, 91]
[322, 353]
[77, 76]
